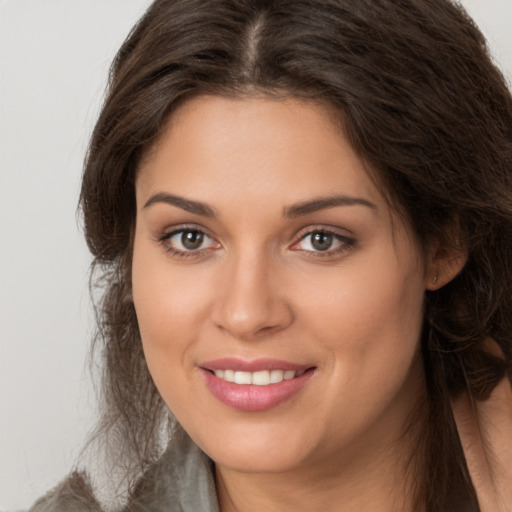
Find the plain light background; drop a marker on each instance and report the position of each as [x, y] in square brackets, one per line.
[54, 58]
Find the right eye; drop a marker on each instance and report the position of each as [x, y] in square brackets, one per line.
[187, 242]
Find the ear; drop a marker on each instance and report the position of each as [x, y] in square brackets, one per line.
[444, 262]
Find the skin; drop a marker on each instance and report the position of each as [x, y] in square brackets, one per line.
[487, 444]
[257, 288]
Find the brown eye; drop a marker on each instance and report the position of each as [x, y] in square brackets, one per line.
[321, 241]
[192, 240]
[188, 241]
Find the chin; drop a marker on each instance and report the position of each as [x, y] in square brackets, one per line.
[269, 462]
[256, 450]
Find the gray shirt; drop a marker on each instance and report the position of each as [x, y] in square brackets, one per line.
[182, 480]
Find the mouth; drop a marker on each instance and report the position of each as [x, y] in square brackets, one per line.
[257, 385]
[260, 378]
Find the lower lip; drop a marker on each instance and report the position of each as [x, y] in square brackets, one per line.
[249, 397]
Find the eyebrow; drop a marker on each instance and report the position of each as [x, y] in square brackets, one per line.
[295, 210]
[185, 204]
[322, 203]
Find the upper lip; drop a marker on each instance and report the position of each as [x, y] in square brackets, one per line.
[255, 365]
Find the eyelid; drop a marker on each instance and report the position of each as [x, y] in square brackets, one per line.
[346, 242]
[165, 237]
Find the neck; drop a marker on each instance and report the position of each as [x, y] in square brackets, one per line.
[377, 470]
[378, 473]
[377, 483]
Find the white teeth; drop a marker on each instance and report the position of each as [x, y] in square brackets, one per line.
[261, 378]
[276, 376]
[243, 378]
[229, 375]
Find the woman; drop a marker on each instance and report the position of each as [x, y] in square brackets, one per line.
[301, 215]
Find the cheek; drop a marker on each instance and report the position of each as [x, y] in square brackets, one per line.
[171, 310]
[164, 305]
[365, 298]
[370, 321]
[165, 294]
[369, 324]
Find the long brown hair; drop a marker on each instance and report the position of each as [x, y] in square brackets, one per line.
[420, 100]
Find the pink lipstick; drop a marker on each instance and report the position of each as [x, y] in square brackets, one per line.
[255, 385]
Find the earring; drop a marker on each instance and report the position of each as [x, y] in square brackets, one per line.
[434, 279]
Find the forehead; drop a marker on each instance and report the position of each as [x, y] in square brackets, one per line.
[285, 143]
[252, 160]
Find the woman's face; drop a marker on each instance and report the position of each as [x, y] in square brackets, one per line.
[263, 251]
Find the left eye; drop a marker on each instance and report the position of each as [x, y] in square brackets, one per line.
[187, 240]
[321, 241]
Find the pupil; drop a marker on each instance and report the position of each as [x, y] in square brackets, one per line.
[321, 241]
[192, 239]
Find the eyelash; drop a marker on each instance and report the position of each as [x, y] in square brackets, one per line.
[345, 243]
[164, 240]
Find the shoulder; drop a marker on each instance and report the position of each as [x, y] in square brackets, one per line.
[485, 429]
[181, 480]
[74, 494]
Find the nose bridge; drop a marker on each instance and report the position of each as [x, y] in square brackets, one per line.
[250, 302]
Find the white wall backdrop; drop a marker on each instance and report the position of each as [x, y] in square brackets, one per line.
[54, 57]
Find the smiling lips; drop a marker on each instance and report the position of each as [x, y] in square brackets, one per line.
[261, 378]
[257, 385]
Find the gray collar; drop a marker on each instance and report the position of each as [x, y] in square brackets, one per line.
[181, 481]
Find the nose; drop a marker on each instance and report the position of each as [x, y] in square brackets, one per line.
[250, 303]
